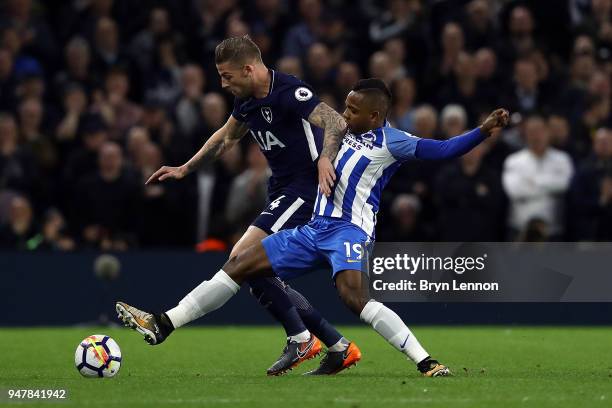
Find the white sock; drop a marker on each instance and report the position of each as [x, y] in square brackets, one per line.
[206, 297]
[341, 345]
[389, 325]
[300, 337]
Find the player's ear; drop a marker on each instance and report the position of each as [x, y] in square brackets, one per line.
[248, 69]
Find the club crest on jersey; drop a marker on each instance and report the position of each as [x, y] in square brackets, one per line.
[369, 140]
[303, 94]
[267, 114]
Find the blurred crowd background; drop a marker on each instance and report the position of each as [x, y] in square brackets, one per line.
[95, 95]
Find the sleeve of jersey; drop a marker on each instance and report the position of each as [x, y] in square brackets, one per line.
[402, 145]
[300, 99]
[236, 111]
[429, 149]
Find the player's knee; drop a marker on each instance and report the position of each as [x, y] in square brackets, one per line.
[247, 264]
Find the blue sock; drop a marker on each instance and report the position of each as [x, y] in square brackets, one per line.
[312, 318]
[271, 294]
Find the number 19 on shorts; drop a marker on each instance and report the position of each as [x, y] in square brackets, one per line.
[354, 252]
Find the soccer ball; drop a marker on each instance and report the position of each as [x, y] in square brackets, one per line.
[98, 356]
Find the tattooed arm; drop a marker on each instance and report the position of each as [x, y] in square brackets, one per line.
[221, 141]
[334, 126]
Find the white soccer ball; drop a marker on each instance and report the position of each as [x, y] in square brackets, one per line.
[98, 356]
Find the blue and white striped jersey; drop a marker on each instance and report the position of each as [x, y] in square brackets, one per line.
[364, 165]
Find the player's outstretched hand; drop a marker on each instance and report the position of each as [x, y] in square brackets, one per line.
[167, 172]
[327, 175]
[498, 119]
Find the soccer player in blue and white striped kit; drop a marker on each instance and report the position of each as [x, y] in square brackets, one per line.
[344, 221]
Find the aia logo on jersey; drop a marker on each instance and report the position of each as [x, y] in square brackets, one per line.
[267, 114]
[266, 140]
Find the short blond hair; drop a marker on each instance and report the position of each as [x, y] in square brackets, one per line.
[238, 50]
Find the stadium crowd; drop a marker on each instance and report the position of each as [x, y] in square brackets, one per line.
[95, 95]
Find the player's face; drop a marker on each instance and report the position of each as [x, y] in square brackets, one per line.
[358, 114]
[236, 79]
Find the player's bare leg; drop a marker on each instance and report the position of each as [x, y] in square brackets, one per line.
[387, 323]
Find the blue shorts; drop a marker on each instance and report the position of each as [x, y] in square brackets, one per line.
[285, 211]
[322, 241]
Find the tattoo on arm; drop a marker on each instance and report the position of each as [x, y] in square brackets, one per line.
[334, 125]
[216, 146]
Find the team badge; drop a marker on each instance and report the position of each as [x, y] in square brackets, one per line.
[267, 114]
[303, 94]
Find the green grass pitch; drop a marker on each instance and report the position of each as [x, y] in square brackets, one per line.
[225, 367]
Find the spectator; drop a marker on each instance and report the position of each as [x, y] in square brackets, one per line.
[176, 226]
[31, 115]
[107, 51]
[213, 115]
[82, 159]
[53, 235]
[591, 193]
[425, 122]
[319, 67]
[402, 111]
[123, 113]
[525, 96]
[465, 89]
[406, 224]
[454, 121]
[535, 180]
[381, 66]
[302, 35]
[161, 129]
[396, 50]
[187, 109]
[291, 66]
[347, 77]
[137, 141]
[470, 200]
[163, 77]
[74, 105]
[106, 203]
[486, 67]
[596, 114]
[560, 133]
[480, 30]
[143, 46]
[248, 193]
[77, 68]
[269, 22]
[20, 229]
[18, 167]
[452, 45]
[520, 39]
